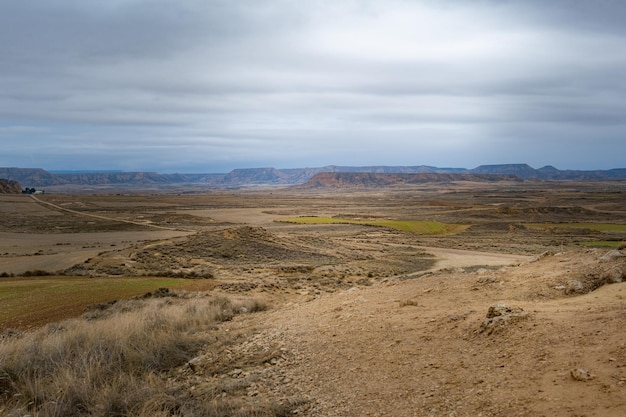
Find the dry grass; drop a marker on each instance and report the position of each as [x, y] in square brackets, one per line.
[118, 361]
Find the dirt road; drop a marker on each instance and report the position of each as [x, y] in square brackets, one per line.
[100, 217]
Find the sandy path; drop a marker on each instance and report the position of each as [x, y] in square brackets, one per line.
[459, 258]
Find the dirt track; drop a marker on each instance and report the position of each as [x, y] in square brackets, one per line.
[458, 258]
[98, 216]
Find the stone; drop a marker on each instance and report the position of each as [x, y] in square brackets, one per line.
[614, 275]
[574, 287]
[580, 374]
[612, 255]
[500, 316]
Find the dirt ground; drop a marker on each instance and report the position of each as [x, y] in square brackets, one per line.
[517, 316]
[424, 348]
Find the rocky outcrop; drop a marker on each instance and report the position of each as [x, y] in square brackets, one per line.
[10, 187]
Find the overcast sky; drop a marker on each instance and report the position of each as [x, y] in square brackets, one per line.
[211, 85]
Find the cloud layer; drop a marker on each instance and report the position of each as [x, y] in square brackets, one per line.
[211, 85]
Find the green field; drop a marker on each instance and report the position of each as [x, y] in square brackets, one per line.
[601, 227]
[604, 244]
[31, 302]
[413, 226]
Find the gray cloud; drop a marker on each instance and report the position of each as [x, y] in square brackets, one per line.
[194, 85]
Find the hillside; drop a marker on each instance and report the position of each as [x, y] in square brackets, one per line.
[525, 340]
[10, 187]
[30, 177]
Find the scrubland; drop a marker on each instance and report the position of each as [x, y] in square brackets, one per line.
[449, 299]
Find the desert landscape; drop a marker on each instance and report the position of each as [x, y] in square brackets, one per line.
[464, 297]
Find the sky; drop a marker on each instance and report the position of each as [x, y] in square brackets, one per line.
[213, 85]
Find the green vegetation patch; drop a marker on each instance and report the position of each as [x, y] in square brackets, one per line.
[414, 226]
[31, 302]
[601, 227]
[604, 244]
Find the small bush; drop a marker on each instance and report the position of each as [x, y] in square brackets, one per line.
[36, 273]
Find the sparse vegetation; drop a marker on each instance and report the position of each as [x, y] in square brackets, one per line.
[36, 273]
[605, 244]
[600, 227]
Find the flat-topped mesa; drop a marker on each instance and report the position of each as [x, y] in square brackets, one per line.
[368, 179]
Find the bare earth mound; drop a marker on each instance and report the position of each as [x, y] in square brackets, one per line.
[527, 340]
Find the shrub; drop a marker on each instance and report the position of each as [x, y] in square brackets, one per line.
[36, 273]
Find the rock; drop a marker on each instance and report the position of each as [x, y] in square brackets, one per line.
[498, 310]
[541, 256]
[193, 363]
[580, 374]
[614, 275]
[574, 287]
[501, 315]
[612, 255]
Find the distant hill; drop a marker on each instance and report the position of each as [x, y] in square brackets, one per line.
[10, 187]
[251, 176]
[551, 173]
[31, 177]
[369, 179]
[37, 177]
[523, 171]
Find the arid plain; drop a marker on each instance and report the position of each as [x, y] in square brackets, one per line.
[440, 299]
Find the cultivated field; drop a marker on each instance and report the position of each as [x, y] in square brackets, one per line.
[375, 301]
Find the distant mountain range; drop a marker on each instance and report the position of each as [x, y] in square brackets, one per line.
[37, 177]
